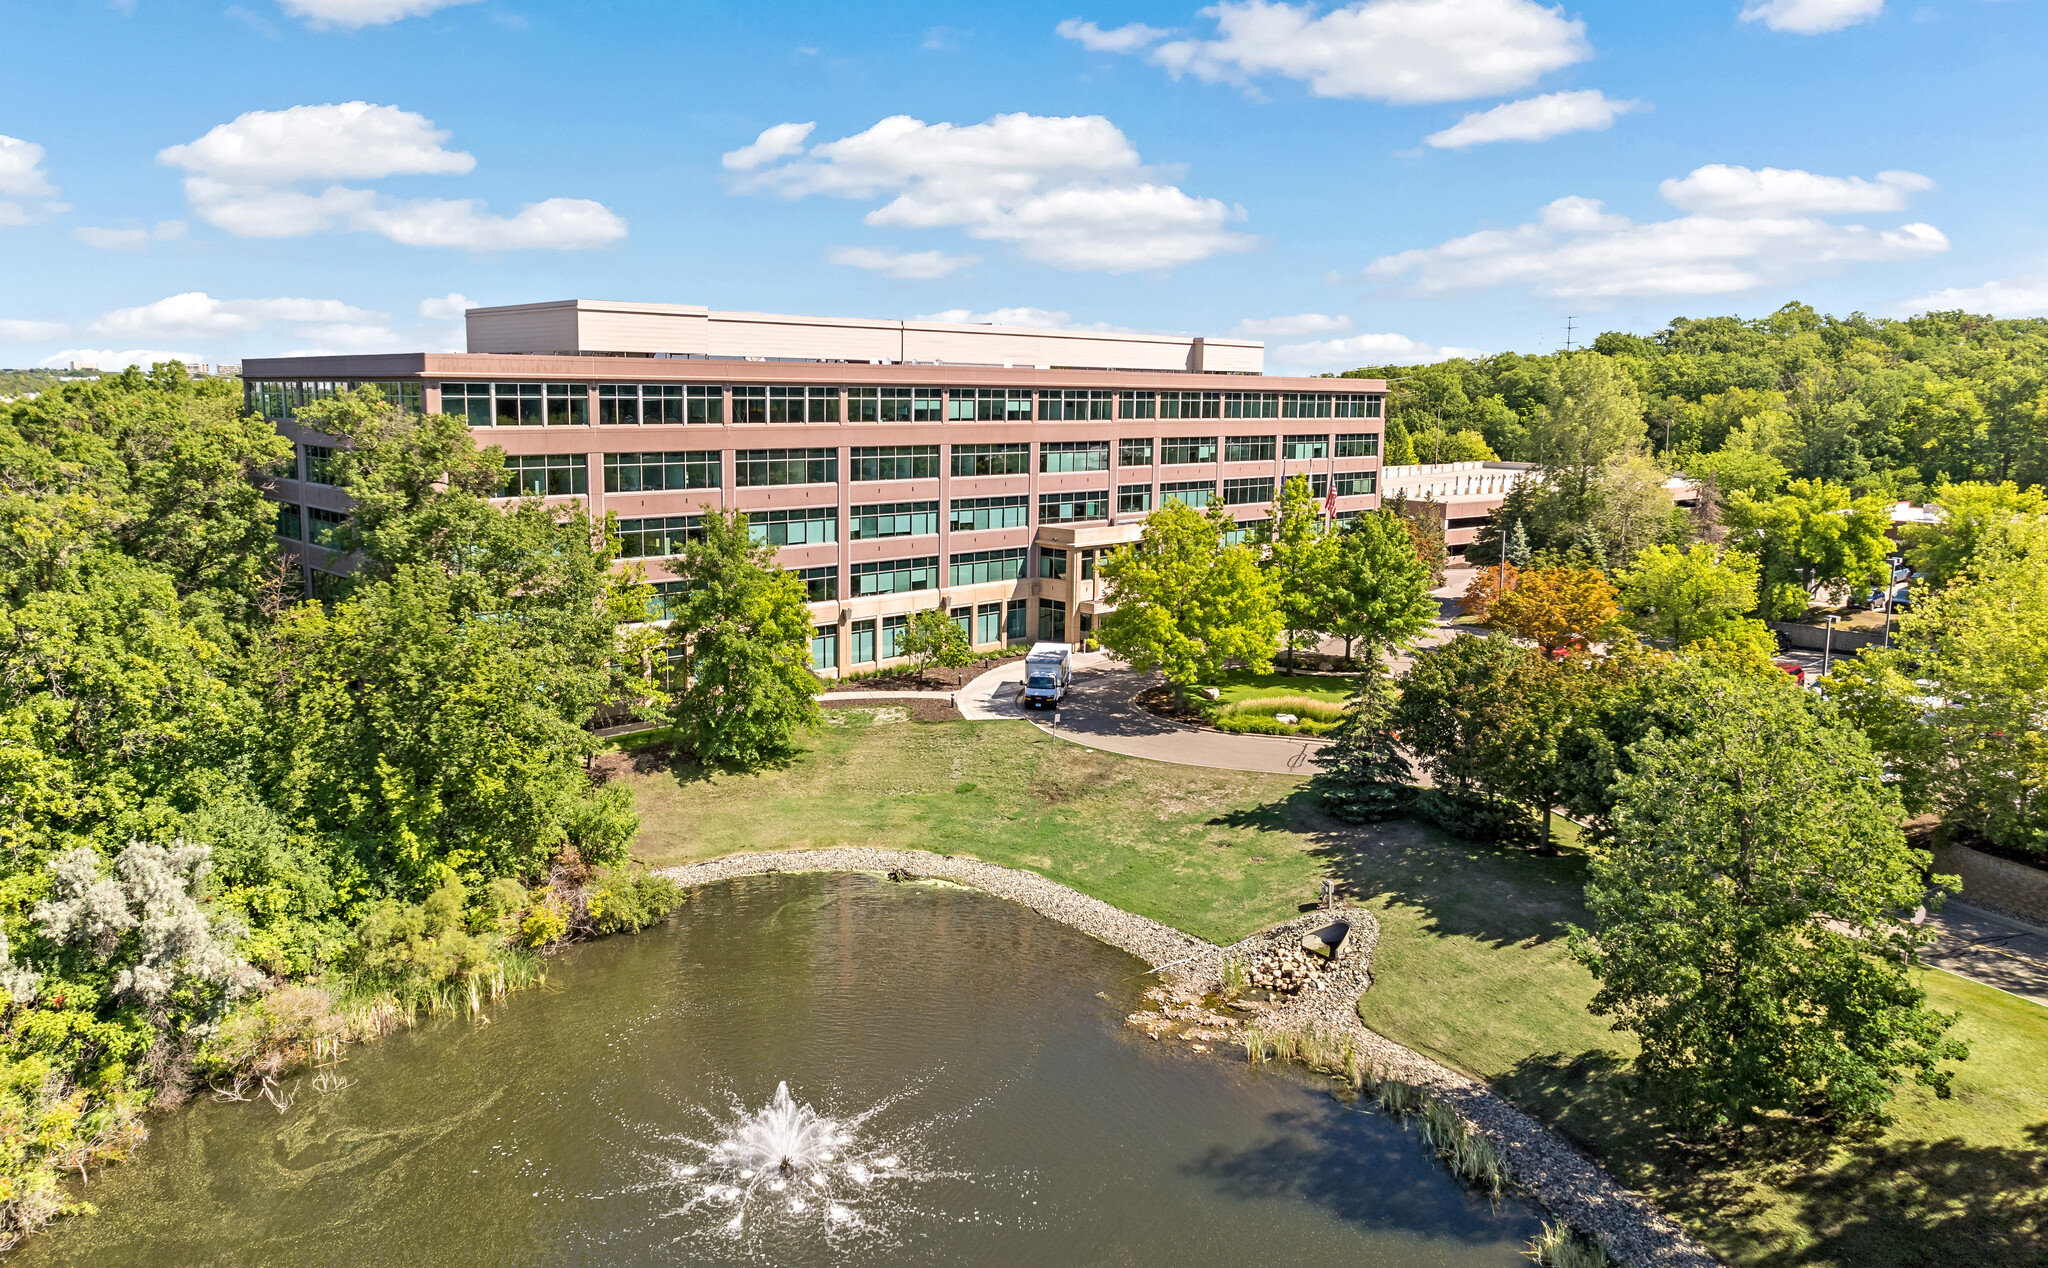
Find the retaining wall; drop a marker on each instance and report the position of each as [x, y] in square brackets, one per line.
[1996, 884]
[1814, 638]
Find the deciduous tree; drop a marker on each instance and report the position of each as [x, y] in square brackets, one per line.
[1749, 915]
[1186, 603]
[1972, 516]
[1816, 536]
[935, 639]
[1554, 607]
[1685, 596]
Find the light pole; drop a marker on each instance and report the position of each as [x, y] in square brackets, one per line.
[1827, 656]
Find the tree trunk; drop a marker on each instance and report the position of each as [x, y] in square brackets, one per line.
[1547, 846]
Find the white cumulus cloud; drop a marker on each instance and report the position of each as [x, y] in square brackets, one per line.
[1328, 355]
[22, 176]
[15, 330]
[1043, 318]
[1535, 119]
[129, 239]
[1577, 249]
[197, 315]
[910, 265]
[242, 173]
[449, 307]
[2013, 297]
[1128, 38]
[1290, 327]
[1406, 51]
[778, 142]
[1811, 17]
[1774, 191]
[1068, 192]
[351, 14]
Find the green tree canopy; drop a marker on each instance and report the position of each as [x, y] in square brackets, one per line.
[1971, 518]
[1814, 537]
[1749, 914]
[1186, 603]
[936, 639]
[1378, 591]
[1686, 596]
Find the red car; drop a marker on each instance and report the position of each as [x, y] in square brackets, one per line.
[1794, 668]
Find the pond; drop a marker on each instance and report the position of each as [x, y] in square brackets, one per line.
[960, 1088]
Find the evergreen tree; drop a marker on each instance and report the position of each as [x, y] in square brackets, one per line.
[1366, 778]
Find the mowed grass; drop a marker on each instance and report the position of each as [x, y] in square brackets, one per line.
[1471, 969]
[1215, 853]
[1239, 685]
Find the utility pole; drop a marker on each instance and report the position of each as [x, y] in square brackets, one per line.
[1568, 333]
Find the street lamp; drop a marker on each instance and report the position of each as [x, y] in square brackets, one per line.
[1827, 656]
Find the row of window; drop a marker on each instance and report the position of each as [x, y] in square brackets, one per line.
[315, 524]
[617, 404]
[881, 638]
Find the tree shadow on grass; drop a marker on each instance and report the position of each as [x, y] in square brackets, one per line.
[1364, 1169]
[1500, 894]
[1792, 1193]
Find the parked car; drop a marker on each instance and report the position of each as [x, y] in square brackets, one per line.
[1902, 600]
[1570, 647]
[1794, 668]
[1879, 595]
[1901, 572]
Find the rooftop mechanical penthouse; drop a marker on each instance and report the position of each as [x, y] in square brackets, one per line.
[897, 465]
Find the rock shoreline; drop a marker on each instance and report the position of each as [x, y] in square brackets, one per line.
[1570, 1185]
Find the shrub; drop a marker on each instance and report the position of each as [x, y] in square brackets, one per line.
[427, 940]
[547, 920]
[1477, 818]
[629, 901]
[1309, 707]
[1253, 724]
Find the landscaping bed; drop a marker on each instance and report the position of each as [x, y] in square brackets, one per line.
[1247, 703]
[937, 678]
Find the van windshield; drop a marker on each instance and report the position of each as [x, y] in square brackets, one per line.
[1046, 681]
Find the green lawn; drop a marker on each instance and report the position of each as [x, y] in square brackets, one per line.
[1238, 685]
[1471, 968]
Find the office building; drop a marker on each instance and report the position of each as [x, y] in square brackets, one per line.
[896, 465]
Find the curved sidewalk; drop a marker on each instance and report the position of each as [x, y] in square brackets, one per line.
[1101, 712]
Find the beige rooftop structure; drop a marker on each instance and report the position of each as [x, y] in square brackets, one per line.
[587, 327]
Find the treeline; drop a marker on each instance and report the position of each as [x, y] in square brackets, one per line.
[210, 789]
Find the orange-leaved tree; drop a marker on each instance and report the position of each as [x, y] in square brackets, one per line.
[1553, 607]
[1485, 590]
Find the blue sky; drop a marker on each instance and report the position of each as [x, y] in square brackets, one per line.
[1387, 180]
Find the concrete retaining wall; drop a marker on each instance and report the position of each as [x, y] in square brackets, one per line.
[1814, 638]
[1996, 884]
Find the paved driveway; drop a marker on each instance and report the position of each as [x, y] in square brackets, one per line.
[1990, 949]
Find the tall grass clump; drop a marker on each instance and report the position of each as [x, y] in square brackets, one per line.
[1557, 1246]
[1317, 716]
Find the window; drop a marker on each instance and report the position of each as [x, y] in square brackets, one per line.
[1074, 405]
[324, 525]
[1177, 450]
[1357, 405]
[1087, 565]
[1251, 405]
[1196, 493]
[321, 465]
[973, 515]
[1052, 621]
[892, 405]
[666, 603]
[1052, 563]
[289, 521]
[803, 404]
[1137, 404]
[1073, 455]
[1305, 405]
[283, 399]
[1013, 619]
[750, 405]
[1304, 448]
[1134, 453]
[657, 537]
[1073, 506]
[990, 405]
[893, 462]
[991, 460]
[825, 647]
[1248, 491]
[1318, 483]
[546, 475]
[978, 567]
[518, 404]
[706, 404]
[654, 472]
[797, 526]
[1355, 483]
[964, 618]
[988, 623]
[863, 642]
[1191, 404]
[821, 584]
[893, 630]
[1248, 449]
[625, 403]
[1358, 444]
[1133, 498]
[471, 401]
[569, 404]
[757, 468]
[895, 576]
[894, 519]
[618, 405]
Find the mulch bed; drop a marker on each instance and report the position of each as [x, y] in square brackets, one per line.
[935, 679]
[936, 710]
